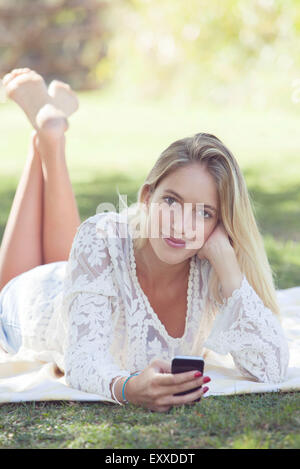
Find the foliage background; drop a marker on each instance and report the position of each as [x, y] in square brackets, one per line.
[222, 51]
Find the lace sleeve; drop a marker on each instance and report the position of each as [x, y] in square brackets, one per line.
[252, 334]
[88, 297]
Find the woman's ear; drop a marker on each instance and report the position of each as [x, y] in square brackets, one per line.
[147, 197]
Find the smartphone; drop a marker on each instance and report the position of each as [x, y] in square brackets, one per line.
[182, 363]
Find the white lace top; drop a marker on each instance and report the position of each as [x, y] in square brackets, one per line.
[101, 324]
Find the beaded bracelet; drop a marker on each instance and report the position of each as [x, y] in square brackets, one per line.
[123, 388]
[113, 389]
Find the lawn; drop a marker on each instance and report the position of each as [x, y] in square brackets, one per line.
[112, 144]
[254, 421]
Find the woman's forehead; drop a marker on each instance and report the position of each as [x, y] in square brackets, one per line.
[192, 173]
[191, 185]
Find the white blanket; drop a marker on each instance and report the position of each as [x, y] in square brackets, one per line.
[36, 377]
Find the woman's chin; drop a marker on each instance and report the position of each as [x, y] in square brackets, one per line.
[172, 255]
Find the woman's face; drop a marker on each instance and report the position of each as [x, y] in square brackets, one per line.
[183, 206]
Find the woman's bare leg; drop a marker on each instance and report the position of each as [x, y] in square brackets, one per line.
[21, 247]
[44, 200]
[44, 216]
[60, 212]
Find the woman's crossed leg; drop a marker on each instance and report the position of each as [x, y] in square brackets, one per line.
[44, 215]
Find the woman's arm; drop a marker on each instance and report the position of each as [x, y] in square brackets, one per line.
[89, 365]
[245, 327]
[88, 297]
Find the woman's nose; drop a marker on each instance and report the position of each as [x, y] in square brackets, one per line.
[184, 224]
[189, 227]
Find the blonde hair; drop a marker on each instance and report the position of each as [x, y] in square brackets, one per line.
[235, 210]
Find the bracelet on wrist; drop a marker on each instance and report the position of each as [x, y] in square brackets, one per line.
[123, 387]
[113, 389]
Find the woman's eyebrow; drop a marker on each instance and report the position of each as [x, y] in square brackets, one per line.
[179, 197]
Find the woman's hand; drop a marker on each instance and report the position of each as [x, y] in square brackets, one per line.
[155, 387]
[219, 251]
[216, 244]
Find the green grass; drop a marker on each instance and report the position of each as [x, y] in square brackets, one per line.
[256, 421]
[112, 144]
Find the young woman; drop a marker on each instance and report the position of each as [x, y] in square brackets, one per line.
[114, 308]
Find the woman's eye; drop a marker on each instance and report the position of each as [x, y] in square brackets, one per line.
[170, 198]
[208, 215]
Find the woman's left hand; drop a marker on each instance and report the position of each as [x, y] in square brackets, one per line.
[216, 244]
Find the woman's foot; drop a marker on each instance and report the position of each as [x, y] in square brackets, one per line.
[51, 123]
[63, 97]
[28, 89]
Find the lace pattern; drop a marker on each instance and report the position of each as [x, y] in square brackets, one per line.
[117, 332]
[102, 325]
[252, 334]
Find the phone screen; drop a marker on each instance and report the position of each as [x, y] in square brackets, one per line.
[180, 364]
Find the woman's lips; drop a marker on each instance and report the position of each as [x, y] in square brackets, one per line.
[179, 243]
[175, 242]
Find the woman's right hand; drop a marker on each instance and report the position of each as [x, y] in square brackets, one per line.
[155, 387]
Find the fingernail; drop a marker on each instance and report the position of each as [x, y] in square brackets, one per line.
[206, 379]
[197, 374]
[205, 389]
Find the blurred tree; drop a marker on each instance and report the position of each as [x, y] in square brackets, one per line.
[225, 51]
[62, 39]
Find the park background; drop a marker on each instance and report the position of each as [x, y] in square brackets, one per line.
[149, 72]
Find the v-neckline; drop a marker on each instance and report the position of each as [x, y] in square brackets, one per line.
[143, 296]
